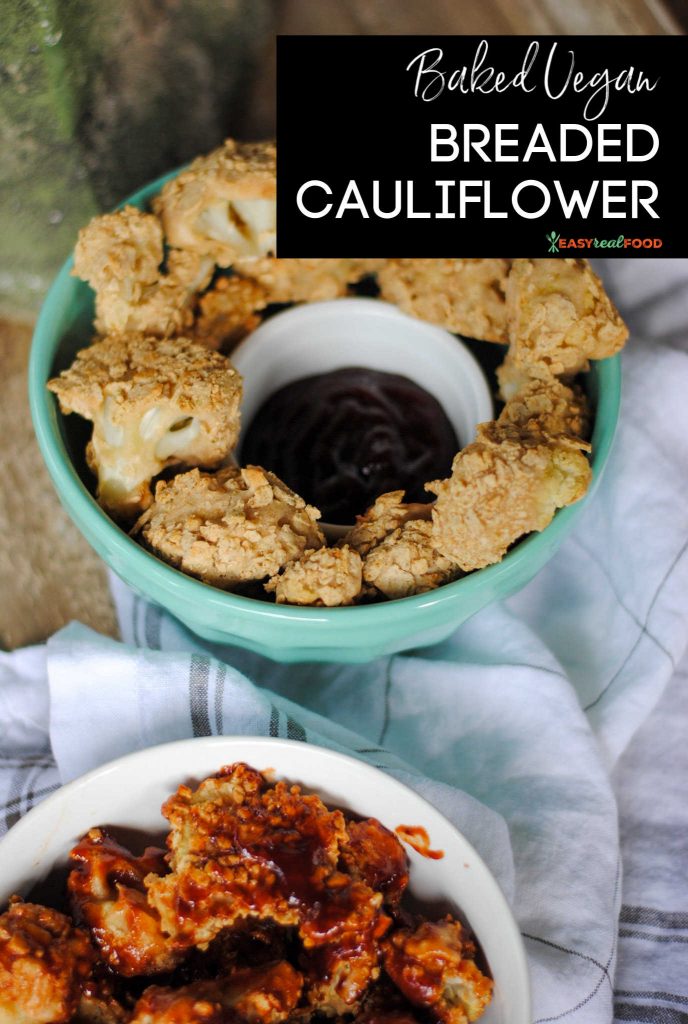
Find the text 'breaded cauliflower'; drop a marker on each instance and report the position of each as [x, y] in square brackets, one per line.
[108, 896]
[559, 317]
[44, 964]
[306, 280]
[463, 296]
[327, 577]
[505, 484]
[229, 527]
[223, 205]
[153, 403]
[434, 967]
[120, 255]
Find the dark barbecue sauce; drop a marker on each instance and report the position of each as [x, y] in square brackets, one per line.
[341, 439]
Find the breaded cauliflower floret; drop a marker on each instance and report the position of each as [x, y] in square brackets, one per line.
[120, 255]
[406, 562]
[229, 527]
[385, 515]
[44, 964]
[197, 1003]
[339, 972]
[559, 317]
[505, 484]
[327, 577]
[548, 407]
[108, 896]
[306, 280]
[223, 205]
[464, 296]
[385, 1004]
[240, 848]
[228, 312]
[263, 995]
[153, 403]
[434, 967]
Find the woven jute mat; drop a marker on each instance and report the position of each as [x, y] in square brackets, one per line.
[48, 573]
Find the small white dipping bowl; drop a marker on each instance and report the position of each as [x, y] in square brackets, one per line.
[322, 336]
[127, 794]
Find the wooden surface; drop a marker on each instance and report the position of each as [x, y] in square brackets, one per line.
[48, 574]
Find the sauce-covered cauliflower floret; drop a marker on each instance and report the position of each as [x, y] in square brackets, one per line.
[229, 527]
[306, 280]
[434, 967]
[506, 483]
[548, 407]
[223, 205]
[108, 896]
[464, 296]
[153, 403]
[559, 317]
[120, 255]
[406, 562]
[326, 577]
[252, 995]
[44, 964]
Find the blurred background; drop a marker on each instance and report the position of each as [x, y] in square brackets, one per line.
[96, 98]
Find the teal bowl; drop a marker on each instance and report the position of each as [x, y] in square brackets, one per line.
[283, 633]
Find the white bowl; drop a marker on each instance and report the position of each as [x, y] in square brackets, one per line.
[322, 336]
[128, 793]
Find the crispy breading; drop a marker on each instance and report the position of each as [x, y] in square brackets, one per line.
[306, 280]
[434, 967]
[325, 577]
[44, 964]
[385, 515]
[385, 1004]
[120, 255]
[549, 407]
[338, 974]
[263, 995]
[228, 312]
[153, 403]
[505, 484]
[406, 562]
[223, 205]
[197, 1003]
[229, 527]
[372, 854]
[108, 896]
[512, 378]
[98, 1004]
[559, 316]
[464, 296]
[240, 848]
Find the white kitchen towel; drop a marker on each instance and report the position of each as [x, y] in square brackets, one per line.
[519, 718]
